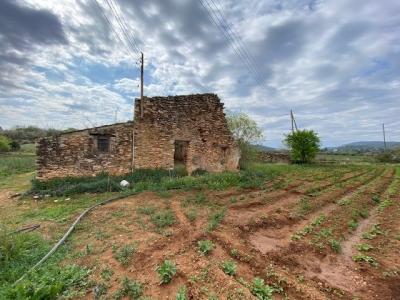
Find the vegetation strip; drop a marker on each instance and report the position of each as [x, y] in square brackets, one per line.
[62, 240]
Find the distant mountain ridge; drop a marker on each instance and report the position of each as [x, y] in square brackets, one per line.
[366, 146]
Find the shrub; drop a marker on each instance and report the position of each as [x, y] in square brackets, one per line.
[261, 290]
[229, 267]
[5, 144]
[303, 144]
[205, 246]
[166, 271]
[129, 288]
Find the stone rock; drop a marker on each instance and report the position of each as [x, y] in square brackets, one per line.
[124, 183]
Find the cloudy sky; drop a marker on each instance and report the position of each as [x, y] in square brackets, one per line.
[335, 63]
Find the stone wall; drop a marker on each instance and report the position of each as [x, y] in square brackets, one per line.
[198, 120]
[274, 157]
[77, 154]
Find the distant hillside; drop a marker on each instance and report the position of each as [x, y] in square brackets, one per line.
[365, 146]
[265, 148]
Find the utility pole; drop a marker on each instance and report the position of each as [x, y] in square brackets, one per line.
[291, 118]
[384, 135]
[141, 85]
[294, 124]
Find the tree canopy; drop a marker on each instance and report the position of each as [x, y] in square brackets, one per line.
[303, 144]
[243, 128]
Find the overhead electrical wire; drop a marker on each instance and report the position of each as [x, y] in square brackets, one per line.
[131, 51]
[232, 38]
[236, 37]
[123, 25]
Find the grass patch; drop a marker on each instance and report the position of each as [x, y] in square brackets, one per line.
[158, 180]
[19, 252]
[16, 163]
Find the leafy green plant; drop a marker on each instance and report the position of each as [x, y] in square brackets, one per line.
[364, 213]
[364, 247]
[166, 271]
[376, 199]
[353, 224]
[335, 245]
[125, 253]
[215, 218]
[261, 290]
[372, 233]
[129, 288]
[365, 258]
[106, 273]
[181, 295]
[205, 246]
[229, 267]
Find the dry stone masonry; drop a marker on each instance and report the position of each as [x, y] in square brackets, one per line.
[189, 130]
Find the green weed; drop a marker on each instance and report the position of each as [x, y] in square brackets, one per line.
[215, 218]
[129, 288]
[364, 258]
[106, 273]
[229, 267]
[353, 224]
[261, 290]
[205, 246]
[335, 245]
[125, 253]
[181, 295]
[364, 247]
[166, 271]
[191, 214]
[163, 218]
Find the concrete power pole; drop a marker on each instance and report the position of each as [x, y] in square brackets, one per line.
[141, 84]
[384, 135]
[294, 124]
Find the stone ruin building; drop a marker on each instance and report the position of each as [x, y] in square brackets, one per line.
[188, 130]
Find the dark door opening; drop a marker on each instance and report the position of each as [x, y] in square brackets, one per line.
[180, 154]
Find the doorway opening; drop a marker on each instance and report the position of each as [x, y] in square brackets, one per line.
[180, 154]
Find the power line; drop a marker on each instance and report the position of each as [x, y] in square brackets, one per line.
[123, 25]
[235, 37]
[113, 29]
[227, 35]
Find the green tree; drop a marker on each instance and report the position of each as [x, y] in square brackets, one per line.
[5, 144]
[303, 144]
[246, 132]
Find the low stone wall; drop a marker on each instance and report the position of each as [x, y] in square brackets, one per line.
[274, 157]
[77, 154]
